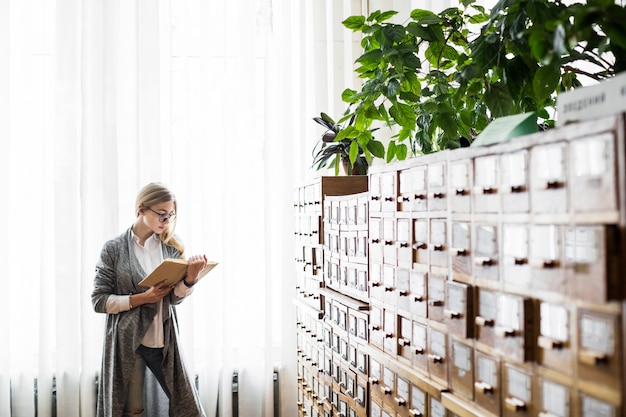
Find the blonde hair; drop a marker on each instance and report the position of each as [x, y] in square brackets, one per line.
[156, 193]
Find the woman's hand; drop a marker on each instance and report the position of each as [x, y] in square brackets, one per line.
[152, 295]
[195, 265]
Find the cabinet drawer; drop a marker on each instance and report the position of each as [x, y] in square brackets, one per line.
[460, 186]
[437, 186]
[438, 242]
[514, 189]
[554, 341]
[405, 338]
[419, 344]
[436, 297]
[420, 245]
[518, 391]
[546, 259]
[461, 250]
[418, 296]
[486, 184]
[554, 398]
[437, 356]
[487, 382]
[516, 271]
[486, 312]
[549, 178]
[486, 251]
[515, 327]
[459, 309]
[404, 243]
[461, 369]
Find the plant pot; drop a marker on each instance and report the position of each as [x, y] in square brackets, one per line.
[359, 168]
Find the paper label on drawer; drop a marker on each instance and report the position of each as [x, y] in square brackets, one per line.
[509, 312]
[403, 388]
[486, 243]
[436, 175]
[462, 357]
[419, 336]
[438, 343]
[554, 322]
[404, 230]
[555, 398]
[420, 230]
[545, 242]
[488, 305]
[515, 241]
[436, 290]
[595, 408]
[460, 235]
[418, 178]
[596, 334]
[405, 182]
[487, 371]
[514, 169]
[456, 298]
[486, 171]
[389, 378]
[590, 156]
[519, 385]
[436, 408]
[375, 368]
[458, 176]
[418, 399]
[376, 411]
[548, 161]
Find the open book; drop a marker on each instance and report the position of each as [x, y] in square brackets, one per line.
[172, 271]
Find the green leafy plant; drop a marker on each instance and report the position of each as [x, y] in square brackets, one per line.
[345, 146]
[438, 79]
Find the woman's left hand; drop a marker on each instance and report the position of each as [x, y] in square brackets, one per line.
[195, 265]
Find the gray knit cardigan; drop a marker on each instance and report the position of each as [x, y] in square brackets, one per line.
[119, 272]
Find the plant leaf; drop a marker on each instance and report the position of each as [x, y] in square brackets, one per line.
[354, 22]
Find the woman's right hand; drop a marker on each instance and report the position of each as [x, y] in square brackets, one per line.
[152, 295]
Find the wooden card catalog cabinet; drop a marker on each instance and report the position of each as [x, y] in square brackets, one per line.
[588, 253]
[414, 189]
[462, 369]
[486, 313]
[514, 190]
[418, 295]
[436, 297]
[419, 344]
[459, 309]
[593, 186]
[460, 251]
[554, 341]
[486, 182]
[487, 382]
[403, 289]
[404, 243]
[418, 407]
[486, 251]
[545, 258]
[460, 186]
[438, 242]
[437, 357]
[515, 327]
[421, 253]
[437, 186]
[599, 350]
[405, 337]
[592, 407]
[518, 390]
[554, 399]
[549, 178]
[516, 271]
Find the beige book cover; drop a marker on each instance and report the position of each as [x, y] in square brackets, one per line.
[172, 271]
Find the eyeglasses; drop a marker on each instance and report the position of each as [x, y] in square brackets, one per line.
[163, 216]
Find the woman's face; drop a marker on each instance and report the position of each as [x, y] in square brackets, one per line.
[157, 217]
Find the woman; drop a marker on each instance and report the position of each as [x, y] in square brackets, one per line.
[141, 327]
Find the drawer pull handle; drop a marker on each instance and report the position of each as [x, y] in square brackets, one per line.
[388, 289]
[460, 252]
[460, 191]
[438, 195]
[403, 341]
[400, 401]
[375, 240]
[420, 196]
[373, 380]
[489, 190]
[514, 404]
[452, 314]
[420, 245]
[388, 242]
[419, 350]
[518, 188]
[419, 298]
[388, 198]
[403, 293]
[520, 261]
[385, 390]
[484, 261]
[549, 344]
[404, 245]
[388, 335]
[415, 413]
[404, 198]
[375, 198]
[483, 387]
[504, 333]
[592, 358]
[436, 303]
[438, 248]
[435, 358]
[553, 185]
[484, 322]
